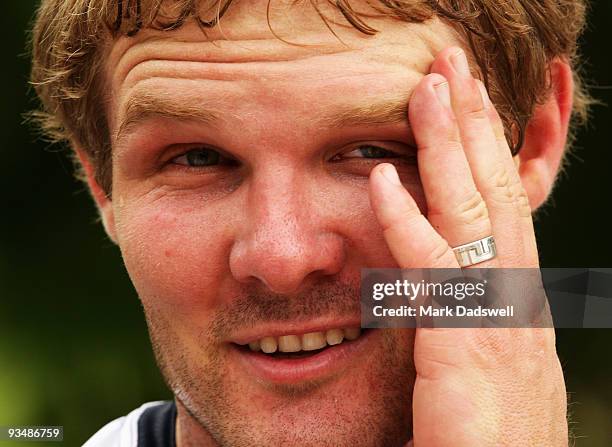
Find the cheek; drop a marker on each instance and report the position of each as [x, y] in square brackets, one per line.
[174, 255]
[367, 247]
[177, 250]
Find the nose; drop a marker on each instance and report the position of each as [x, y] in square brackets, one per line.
[285, 241]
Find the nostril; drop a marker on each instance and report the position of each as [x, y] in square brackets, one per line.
[281, 282]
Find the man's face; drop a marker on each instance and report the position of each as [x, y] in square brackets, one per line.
[240, 203]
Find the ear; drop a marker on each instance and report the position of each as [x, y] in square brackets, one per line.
[540, 156]
[103, 202]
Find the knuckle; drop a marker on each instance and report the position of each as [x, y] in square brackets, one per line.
[541, 340]
[500, 179]
[524, 349]
[448, 140]
[498, 129]
[473, 210]
[471, 105]
[500, 187]
[453, 144]
[520, 197]
[524, 207]
[470, 214]
[537, 351]
[476, 115]
[491, 347]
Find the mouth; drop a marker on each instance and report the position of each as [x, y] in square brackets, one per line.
[293, 358]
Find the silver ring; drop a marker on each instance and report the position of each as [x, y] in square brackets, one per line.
[475, 252]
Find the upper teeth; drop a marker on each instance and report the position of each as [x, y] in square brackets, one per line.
[306, 342]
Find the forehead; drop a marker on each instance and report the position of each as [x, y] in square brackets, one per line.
[284, 58]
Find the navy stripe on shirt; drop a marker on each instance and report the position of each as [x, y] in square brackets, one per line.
[156, 426]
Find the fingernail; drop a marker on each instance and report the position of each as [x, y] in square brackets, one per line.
[460, 63]
[443, 93]
[483, 92]
[389, 172]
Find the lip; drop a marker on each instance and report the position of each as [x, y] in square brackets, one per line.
[296, 328]
[328, 362]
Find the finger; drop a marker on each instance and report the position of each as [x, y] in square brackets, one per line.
[455, 207]
[412, 240]
[521, 201]
[492, 173]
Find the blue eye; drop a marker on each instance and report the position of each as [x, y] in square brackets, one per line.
[201, 157]
[370, 151]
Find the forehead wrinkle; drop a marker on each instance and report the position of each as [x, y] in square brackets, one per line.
[128, 53]
[222, 52]
[203, 66]
[152, 46]
[264, 75]
[241, 30]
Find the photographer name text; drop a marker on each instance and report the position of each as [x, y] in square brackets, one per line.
[446, 311]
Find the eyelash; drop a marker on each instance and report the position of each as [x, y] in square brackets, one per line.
[388, 153]
[224, 160]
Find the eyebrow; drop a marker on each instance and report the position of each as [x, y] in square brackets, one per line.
[384, 111]
[144, 106]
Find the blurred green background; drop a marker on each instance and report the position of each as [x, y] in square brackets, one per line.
[73, 344]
